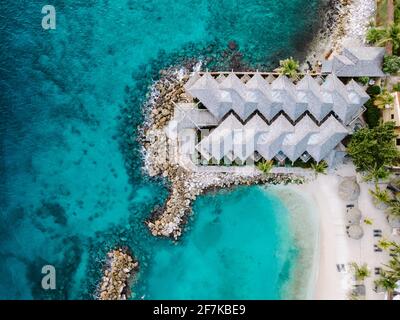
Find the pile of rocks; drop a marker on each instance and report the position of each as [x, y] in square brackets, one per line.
[165, 92]
[186, 186]
[360, 14]
[119, 273]
[333, 31]
[159, 110]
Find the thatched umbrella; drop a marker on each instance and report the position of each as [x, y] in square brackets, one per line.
[359, 289]
[353, 216]
[355, 232]
[349, 189]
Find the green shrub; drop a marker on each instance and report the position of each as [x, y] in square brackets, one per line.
[391, 64]
[363, 80]
[372, 115]
[374, 35]
[396, 87]
[374, 90]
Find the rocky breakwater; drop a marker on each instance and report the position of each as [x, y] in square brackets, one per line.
[165, 92]
[119, 273]
[169, 220]
[159, 110]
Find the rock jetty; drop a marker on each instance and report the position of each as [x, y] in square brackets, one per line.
[119, 273]
[186, 186]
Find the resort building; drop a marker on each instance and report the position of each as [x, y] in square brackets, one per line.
[356, 62]
[393, 114]
[241, 118]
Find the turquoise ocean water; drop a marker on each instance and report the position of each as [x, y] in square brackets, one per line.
[71, 185]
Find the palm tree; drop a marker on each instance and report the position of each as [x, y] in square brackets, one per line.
[394, 207]
[376, 173]
[319, 167]
[387, 282]
[368, 221]
[391, 34]
[289, 67]
[360, 272]
[265, 166]
[384, 100]
[380, 196]
[385, 244]
[374, 34]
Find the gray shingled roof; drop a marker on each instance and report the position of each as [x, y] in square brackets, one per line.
[332, 132]
[309, 92]
[233, 140]
[356, 62]
[282, 94]
[284, 91]
[295, 144]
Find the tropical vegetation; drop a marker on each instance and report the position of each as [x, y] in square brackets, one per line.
[379, 195]
[380, 36]
[390, 273]
[384, 100]
[391, 64]
[372, 149]
[319, 167]
[265, 166]
[368, 221]
[361, 272]
[289, 67]
[363, 80]
[396, 87]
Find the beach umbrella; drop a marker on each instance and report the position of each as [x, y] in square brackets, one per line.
[359, 290]
[355, 232]
[349, 189]
[353, 216]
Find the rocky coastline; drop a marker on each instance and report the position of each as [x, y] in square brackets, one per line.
[344, 21]
[119, 272]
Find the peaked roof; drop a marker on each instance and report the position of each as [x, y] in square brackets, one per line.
[295, 144]
[259, 91]
[309, 92]
[332, 132]
[356, 62]
[269, 99]
[284, 91]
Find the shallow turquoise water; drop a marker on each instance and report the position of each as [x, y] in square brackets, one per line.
[239, 247]
[71, 186]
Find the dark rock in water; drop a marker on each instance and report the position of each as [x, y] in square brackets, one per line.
[54, 210]
[232, 45]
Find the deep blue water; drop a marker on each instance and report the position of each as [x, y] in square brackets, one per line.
[70, 180]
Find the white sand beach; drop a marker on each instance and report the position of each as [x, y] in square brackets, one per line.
[334, 246]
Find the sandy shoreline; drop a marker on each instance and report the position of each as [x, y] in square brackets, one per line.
[304, 225]
[334, 246]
